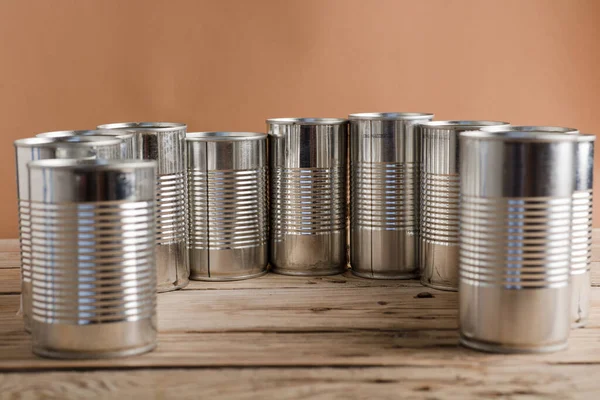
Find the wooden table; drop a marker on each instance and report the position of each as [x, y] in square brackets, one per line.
[290, 337]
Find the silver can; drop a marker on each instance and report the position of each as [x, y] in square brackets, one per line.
[30, 149]
[439, 200]
[308, 160]
[128, 147]
[581, 246]
[515, 242]
[165, 143]
[227, 205]
[93, 274]
[384, 167]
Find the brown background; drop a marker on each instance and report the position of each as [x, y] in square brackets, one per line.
[228, 65]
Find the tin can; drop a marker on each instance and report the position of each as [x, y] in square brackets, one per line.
[515, 244]
[227, 205]
[93, 274]
[439, 186]
[384, 167]
[308, 158]
[128, 147]
[30, 149]
[165, 143]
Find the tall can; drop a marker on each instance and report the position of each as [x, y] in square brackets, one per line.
[227, 205]
[515, 243]
[384, 166]
[93, 274]
[439, 200]
[165, 143]
[308, 159]
[128, 147]
[581, 255]
[38, 148]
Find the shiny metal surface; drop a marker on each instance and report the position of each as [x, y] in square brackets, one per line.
[384, 167]
[165, 143]
[439, 200]
[92, 273]
[515, 244]
[227, 205]
[30, 149]
[128, 147]
[582, 222]
[308, 159]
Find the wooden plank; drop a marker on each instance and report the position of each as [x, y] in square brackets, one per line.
[10, 260]
[476, 382]
[9, 245]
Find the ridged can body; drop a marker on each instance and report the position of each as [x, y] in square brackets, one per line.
[515, 243]
[93, 274]
[308, 159]
[164, 142]
[439, 200]
[32, 149]
[227, 205]
[128, 146]
[384, 167]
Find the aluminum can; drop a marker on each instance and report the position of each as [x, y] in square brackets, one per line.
[384, 166]
[38, 148]
[227, 205]
[515, 242]
[165, 143]
[308, 159]
[128, 147]
[93, 275]
[439, 200]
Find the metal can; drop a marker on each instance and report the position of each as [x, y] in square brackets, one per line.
[93, 274]
[581, 255]
[308, 158]
[439, 200]
[165, 143]
[30, 149]
[515, 243]
[227, 205]
[384, 167]
[128, 147]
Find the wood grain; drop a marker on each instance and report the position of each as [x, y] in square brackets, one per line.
[293, 337]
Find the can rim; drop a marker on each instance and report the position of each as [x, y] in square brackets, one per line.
[90, 164]
[34, 142]
[532, 128]
[122, 134]
[145, 126]
[223, 136]
[66, 141]
[462, 124]
[519, 136]
[391, 116]
[307, 121]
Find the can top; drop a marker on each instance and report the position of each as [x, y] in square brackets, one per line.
[465, 124]
[223, 136]
[586, 137]
[391, 116]
[122, 134]
[34, 142]
[307, 121]
[530, 128]
[91, 164]
[143, 126]
[520, 136]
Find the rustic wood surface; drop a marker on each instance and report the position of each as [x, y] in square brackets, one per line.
[291, 337]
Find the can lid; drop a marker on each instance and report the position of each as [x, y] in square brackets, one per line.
[307, 121]
[122, 134]
[224, 136]
[91, 164]
[145, 126]
[519, 136]
[530, 128]
[391, 116]
[465, 124]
